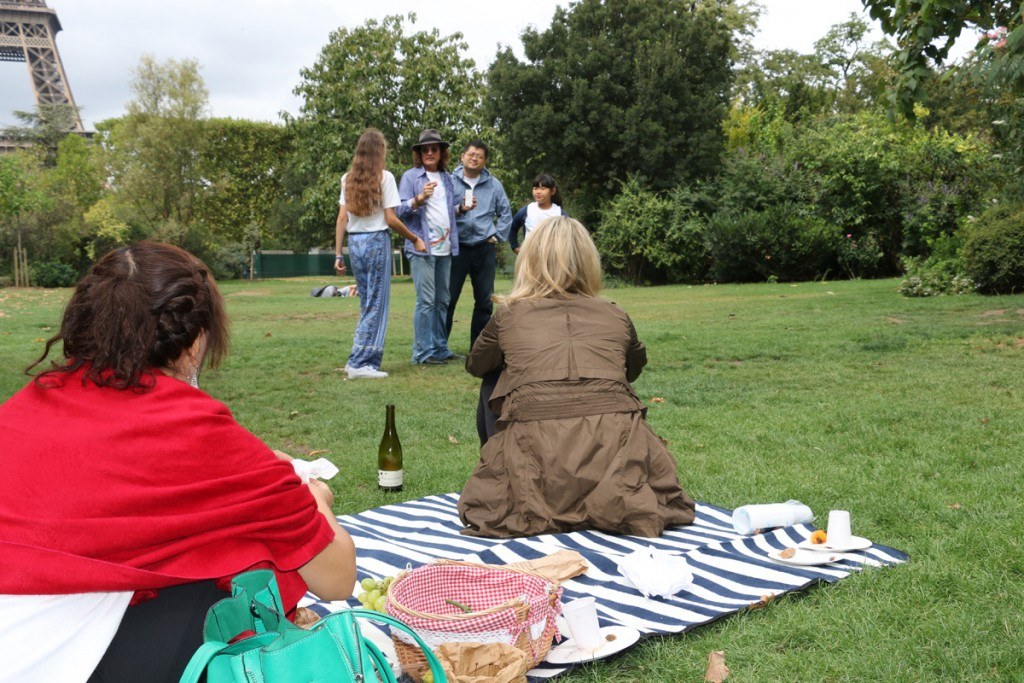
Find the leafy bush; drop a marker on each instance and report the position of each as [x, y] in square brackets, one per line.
[647, 236]
[945, 178]
[229, 261]
[779, 243]
[860, 257]
[53, 274]
[904, 186]
[993, 252]
[934, 276]
[752, 180]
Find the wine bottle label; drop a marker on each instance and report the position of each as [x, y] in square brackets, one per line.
[389, 478]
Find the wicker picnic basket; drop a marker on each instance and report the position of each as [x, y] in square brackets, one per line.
[450, 601]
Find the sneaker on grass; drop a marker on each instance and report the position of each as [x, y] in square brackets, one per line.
[365, 372]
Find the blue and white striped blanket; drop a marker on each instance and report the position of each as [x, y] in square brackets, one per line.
[731, 571]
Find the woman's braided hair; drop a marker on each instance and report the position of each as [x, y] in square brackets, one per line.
[139, 307]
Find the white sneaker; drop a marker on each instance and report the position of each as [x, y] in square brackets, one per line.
[364, 372]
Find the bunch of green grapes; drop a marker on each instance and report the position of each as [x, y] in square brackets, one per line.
[375, 593]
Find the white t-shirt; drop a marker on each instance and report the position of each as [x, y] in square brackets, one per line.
[47, 638]
[535, 214]
[375, 221]
[438, 219]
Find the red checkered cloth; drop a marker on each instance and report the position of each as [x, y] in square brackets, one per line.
[433, 589]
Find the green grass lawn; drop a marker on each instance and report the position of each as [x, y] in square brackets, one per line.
[907, 412]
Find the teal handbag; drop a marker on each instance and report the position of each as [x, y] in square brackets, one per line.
[333, 650]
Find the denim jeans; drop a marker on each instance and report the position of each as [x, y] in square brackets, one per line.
[430, 276]
[479, 262]
[370, 255]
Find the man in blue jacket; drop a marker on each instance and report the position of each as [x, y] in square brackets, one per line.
[483, 224]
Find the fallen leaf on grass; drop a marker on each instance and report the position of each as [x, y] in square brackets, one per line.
[717, 671]
[763, 602]
[38, 339]
[292, 415]
[267, 334]
[984, 420]
[453, 439]
[954, 505]
[657, 399]
[318, 452]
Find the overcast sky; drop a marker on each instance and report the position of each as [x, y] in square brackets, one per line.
[251, 51]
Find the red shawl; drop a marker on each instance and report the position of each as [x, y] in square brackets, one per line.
[104, 489]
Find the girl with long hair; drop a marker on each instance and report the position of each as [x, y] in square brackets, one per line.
[366, 210]
[571, 449]
[547, 203]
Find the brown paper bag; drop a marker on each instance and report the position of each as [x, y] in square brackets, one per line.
[483, 663]
[556, 567]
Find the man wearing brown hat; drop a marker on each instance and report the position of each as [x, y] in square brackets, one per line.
[428, 209]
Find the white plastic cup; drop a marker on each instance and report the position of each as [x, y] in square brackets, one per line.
[581, 615]
[468, 201]
[838, 534]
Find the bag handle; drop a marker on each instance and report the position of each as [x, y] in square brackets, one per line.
[380, 663]
[200, 660]
[432, 660]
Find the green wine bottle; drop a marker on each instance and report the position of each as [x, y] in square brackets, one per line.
[389, 456]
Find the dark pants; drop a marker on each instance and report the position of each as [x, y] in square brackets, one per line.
[485, 417]
[157, 638]
[478, 261]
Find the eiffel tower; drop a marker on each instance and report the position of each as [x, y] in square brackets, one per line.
[27, 31]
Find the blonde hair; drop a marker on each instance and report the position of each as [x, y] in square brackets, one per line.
[557, 258]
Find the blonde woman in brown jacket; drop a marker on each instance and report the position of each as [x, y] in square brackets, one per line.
[571, 448]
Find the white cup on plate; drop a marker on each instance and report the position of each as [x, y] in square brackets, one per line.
[838, 533]
[581, 615]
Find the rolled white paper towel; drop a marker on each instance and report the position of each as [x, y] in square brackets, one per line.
[747, 519]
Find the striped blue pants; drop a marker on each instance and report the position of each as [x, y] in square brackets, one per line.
[370, 256]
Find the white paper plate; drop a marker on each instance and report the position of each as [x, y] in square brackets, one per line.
[617, 639]
[806, 558]
[856, 543]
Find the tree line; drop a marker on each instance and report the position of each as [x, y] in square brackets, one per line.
[692, 156]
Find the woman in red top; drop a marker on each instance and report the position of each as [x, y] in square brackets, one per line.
[129, 496]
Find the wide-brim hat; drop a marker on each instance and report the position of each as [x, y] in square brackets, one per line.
[430, 137]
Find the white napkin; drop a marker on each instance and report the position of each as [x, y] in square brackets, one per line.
[655, 572]
[747, 519]
[315, 469]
